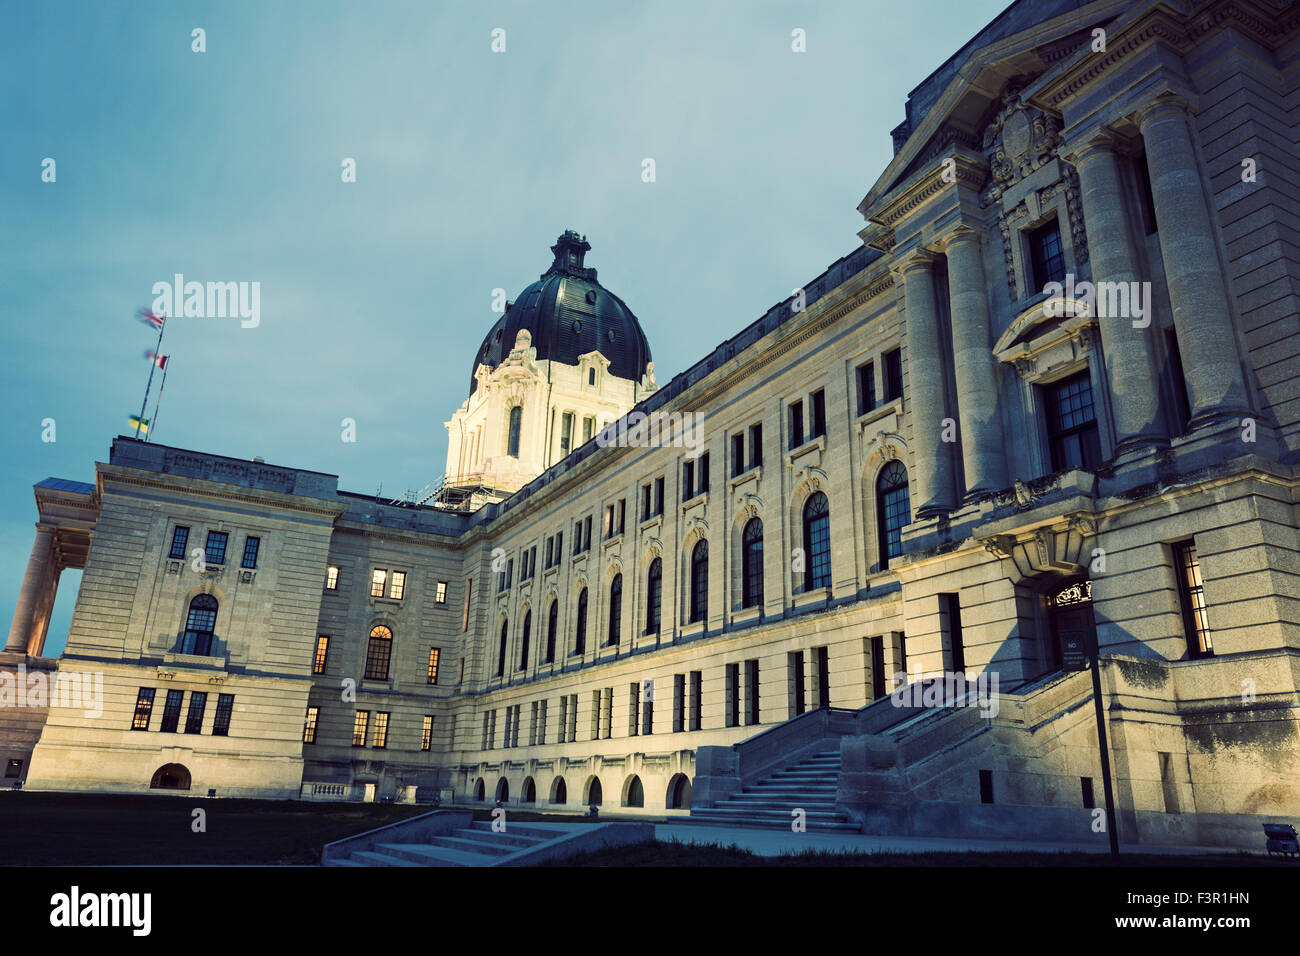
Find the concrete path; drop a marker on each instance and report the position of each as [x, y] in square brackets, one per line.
[776, 842]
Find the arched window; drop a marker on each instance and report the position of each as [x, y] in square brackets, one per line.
[580, 637]
[516, 421]
[751, 564]
[653, 595]
[503, 790]
[635, 793]
[817, 542]
[552, 619]
[615, 609]
[501, 654]
[893, 510]
[559, 791]
[200, 622]
[700, 581]
[171, 776]
[379, 652]
[523, 645]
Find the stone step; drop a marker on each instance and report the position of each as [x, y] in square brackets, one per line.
[481, 847]
[743, 801]
[536, 834]
[778, 814]
[424, 854]
[373, 858]
[510, 838]
[770, 787]
[820, 826]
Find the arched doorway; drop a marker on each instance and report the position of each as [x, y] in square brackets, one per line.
[593, 792]
[634, 792]
[1070, 620]
[679, 793]
[559, 792]
[503, 791]
[530, 791]
[480, 791]
[170, 776]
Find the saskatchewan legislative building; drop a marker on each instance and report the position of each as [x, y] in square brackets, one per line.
[857, 561]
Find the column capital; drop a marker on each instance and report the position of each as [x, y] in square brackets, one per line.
[1098, 143]
[1162, 105]
[917, 260]
[961, 232]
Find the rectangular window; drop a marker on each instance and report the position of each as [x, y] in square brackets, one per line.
[878, 667]
[866, 388]
[703, 473]
[1089, 801]
[733, 695]
[622, 514]
[172, 711]
[221, 720]
[434, 654]
[380, 740]
[559, 546]
[566, 433]
[645, 501]
[397, 587]
[464, 613]
[588, 427]
[359, 725]
[755, 445]
[378, 578]
[541, 722]
[679, 703]
[331, 578]
[309, 726]
[608, 531]
[751, 692]
[440, 593]
[251, 546]
[1191, 596]
[426, 732]
[986, 786]
[893, 366]
[215, 552]
[1072, 424]
[550, 551]
[1046, 254]
[13, 769]
[950, 623]
[595, 714]
[796, 424]
[737, 454]
[797, 690]
[822, 673]
[194, 718]
[634, 709]
[180, 537]
[818, 423]
[647, 717]
[586, 533]
[688, 480]
[143, 709]
[659, 496]
[697, 699]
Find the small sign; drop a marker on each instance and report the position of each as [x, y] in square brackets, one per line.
[1074, 650]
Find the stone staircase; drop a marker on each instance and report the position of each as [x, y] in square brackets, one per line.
[808, 785]
[474, 845]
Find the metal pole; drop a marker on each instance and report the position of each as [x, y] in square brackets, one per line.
[1111, 827]
[152, 365]
[153, 422]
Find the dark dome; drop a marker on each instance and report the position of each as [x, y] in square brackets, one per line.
[569, 314]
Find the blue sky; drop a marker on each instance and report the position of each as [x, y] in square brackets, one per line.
[225, 166]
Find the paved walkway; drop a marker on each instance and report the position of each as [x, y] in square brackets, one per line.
[776, 842]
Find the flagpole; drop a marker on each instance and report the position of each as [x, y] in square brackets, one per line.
[152, 365]
[153, 422]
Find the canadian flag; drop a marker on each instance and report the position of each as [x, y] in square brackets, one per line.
[159, 360]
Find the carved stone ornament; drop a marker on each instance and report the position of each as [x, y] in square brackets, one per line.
[1019, 140]
[1000, 545]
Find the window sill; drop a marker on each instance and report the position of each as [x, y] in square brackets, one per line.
[650, 524]
[753, 474]
[812, 598]
[817, 444]
[746, 615]
[693, 629]
[892, 407]
[699, 499]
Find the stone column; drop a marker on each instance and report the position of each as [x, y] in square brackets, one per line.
[1202, 314]
[933, 478]
[982, 447]
[38, 568]
[1130, 367]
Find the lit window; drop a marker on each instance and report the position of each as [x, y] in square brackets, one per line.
[426, 732]
[1191, 594]
[380, 740]
[378, 578]
[143, 709]
[332, 579]
[359, 725]
[322, 652]
[397, 587]
[434, 654]
[379, 652]
[440, 595]
[309, 728]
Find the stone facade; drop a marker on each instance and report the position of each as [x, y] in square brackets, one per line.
[940, 463]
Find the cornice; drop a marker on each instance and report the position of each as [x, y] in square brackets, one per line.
[192, 486]
[968, 170]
